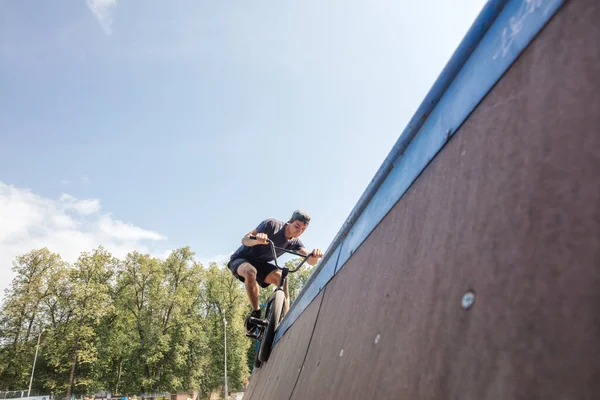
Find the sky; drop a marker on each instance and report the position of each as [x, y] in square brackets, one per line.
[151, 125]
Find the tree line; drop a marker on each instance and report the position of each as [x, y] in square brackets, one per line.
[126, 326]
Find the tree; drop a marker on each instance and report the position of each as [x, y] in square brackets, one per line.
[116, 344]
[90, 300]
[58, 310]
[21, 313]
[225, 298]
[179, 322]
[161, 303]
[132, 326]
[137, 284]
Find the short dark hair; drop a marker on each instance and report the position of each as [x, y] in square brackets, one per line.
[301, 216]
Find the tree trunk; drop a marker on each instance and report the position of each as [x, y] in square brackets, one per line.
[72, 376]
[158, 370]
[147, 371]
[19, 324]
[119, 372]
[30, 325]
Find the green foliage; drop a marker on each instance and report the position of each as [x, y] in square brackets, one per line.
[136, 325]
[23, 313]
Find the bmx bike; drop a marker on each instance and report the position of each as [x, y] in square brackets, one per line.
[265, 328]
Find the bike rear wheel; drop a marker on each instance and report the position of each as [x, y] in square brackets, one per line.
[274, 316]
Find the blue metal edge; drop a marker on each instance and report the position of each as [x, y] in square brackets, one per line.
[501, 32]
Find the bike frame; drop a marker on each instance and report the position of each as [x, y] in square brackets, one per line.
[285, 270]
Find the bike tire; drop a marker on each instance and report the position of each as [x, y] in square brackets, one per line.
[257, 362]
[274, 316]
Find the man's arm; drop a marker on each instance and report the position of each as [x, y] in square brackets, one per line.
[261, 232]
[316, 255]
[261, 238]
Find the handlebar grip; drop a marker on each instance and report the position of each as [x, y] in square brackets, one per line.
[252, 237]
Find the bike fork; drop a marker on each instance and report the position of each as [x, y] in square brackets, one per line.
[284, 274]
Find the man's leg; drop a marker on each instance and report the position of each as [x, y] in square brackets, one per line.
[274, 278]
[248, 272]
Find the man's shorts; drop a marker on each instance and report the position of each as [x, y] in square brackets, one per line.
[262, 270]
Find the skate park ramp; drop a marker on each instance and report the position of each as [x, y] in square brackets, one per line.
[470, 267]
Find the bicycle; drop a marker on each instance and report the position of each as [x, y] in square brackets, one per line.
[265, 328]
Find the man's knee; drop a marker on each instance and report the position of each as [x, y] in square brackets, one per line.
[247, 271]
[274, 277]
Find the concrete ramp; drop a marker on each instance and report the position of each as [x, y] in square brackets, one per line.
[470, 268]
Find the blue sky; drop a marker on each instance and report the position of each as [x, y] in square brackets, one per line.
[152, 125]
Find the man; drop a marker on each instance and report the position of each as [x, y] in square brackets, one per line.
[250, 263]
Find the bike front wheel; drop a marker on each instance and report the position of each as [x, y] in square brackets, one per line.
[274, 317]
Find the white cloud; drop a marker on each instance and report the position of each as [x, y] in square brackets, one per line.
[66, 226]
[103, 9]
[83, 207]
[124, 231]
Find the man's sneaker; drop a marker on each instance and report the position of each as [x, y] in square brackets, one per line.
[249, 325]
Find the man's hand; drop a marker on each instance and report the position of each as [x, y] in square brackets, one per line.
[261, 238]
[316, 255]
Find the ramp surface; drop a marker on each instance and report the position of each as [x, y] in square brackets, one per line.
[277, 378]
[506, 208]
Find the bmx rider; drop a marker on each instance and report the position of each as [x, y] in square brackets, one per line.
[250, 263]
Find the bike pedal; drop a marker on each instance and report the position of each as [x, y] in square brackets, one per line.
[252, 335]
[258, 321]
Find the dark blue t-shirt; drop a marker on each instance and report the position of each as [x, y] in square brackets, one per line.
[275, 231]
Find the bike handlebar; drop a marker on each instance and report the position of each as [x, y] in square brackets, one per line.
[273, 247]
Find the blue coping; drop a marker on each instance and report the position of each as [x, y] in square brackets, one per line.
[501, 32]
